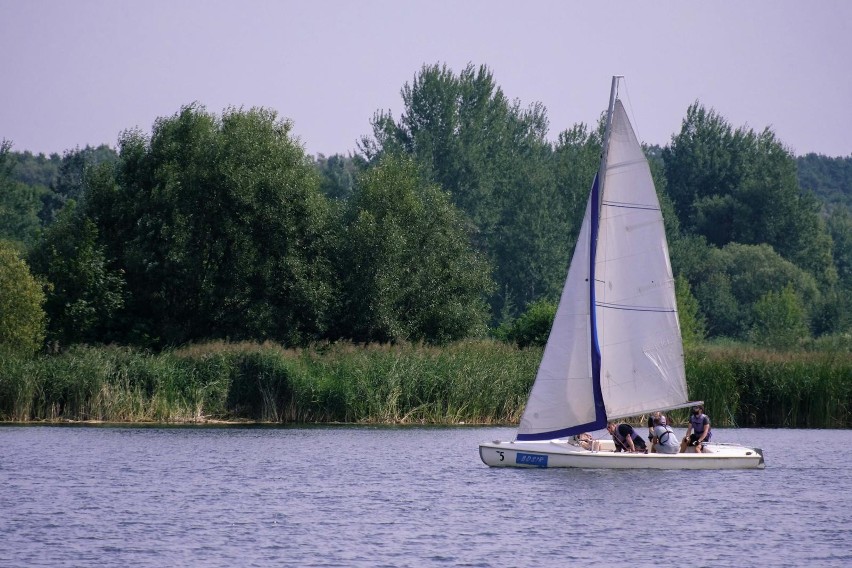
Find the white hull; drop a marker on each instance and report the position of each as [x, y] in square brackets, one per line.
[562, 453]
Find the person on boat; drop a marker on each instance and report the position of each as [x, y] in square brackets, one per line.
[698, 432]
[586, 441]
[626, 439]
[653, 420]
[663, 438]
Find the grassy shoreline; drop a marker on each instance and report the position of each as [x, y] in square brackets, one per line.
[471, 382]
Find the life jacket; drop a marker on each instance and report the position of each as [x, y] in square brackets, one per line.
[697, 423]
[622, 440]
[666, 437]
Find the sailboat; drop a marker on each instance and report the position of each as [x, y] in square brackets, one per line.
[615, 349]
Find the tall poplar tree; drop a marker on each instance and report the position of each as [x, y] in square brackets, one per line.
[493, 158]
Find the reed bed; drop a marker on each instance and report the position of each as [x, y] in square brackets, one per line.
[473, 382]
[746, 386]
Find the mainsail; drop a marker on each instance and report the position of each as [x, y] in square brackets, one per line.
[625, 358]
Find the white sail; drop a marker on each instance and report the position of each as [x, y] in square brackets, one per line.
[642, 365]
[562, 395]
[635, 327]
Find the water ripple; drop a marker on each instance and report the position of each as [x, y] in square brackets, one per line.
[346, 496]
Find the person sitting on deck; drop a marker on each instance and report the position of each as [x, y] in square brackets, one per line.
[664, 440]
[698, 432]
[653, 420]
[626, 439]
[586, 441]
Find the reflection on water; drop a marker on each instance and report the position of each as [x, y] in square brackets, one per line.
[360, 496]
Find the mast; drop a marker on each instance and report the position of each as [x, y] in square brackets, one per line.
[613, 93]
[596, 202]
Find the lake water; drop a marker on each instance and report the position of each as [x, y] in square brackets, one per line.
[362, 496]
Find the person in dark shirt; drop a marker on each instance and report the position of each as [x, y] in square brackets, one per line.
[698, 432]
[626, 439]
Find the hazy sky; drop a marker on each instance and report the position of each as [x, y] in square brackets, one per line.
[79, 72]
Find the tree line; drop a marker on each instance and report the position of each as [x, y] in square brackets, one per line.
[452, 220]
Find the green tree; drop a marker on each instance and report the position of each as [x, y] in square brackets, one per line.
[221, 228]
[829, 178]
[337, 176]
[693, 325]
[725, 314]
[740, 186]
[493, 158]
[35, 169]
[692, 257]
[85, 296]
[532, 328]
[780, 319]
[532, 242]
[576, 160]
[408, 270]
[19, 203]
[838, 304]
[730, 280]
[840, 228]
[22, 319]
[69, 182]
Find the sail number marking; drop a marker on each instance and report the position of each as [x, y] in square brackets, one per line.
[531, 459]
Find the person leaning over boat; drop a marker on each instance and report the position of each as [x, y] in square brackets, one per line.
[626, 439]
[698, 431]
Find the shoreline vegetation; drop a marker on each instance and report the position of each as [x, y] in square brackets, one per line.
[469, 382]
